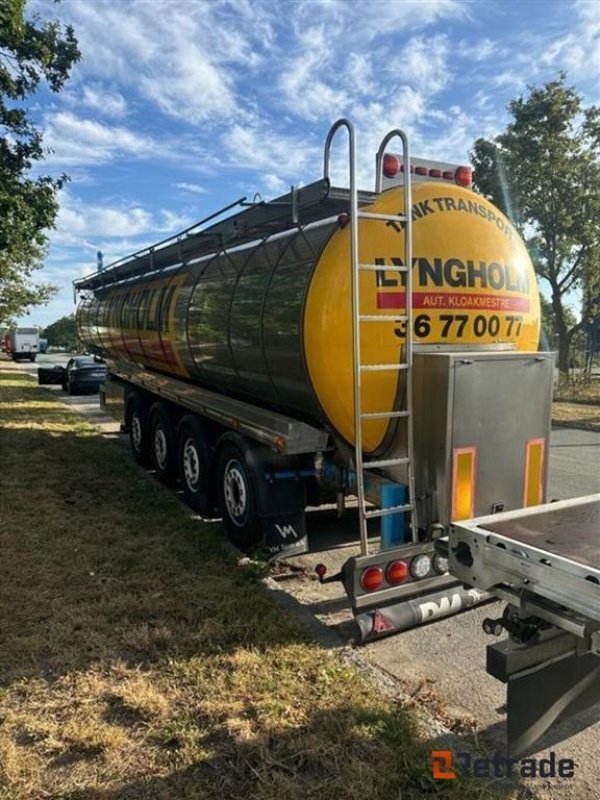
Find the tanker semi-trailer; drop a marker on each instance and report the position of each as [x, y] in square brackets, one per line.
[286, 354]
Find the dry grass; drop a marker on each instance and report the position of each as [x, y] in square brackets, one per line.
[138, 661]
[577, 415]
[579, 391]
[577, 404]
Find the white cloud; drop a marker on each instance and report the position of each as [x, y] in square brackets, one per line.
[260, 148]
[78, 222]
[422, 63]
[511, 79]
[364, 21]
[578, 50]
[194, 188]
[77, 141]
[181, 58]
[109, 103]
[274, 184]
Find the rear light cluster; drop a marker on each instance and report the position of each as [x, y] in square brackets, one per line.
[396, 572]
[392, 166]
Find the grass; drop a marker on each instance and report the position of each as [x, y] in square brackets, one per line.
[577, 404]
[138, 660]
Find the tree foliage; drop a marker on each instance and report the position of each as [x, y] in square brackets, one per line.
[62, 333]
[32, 52]
[543, 171]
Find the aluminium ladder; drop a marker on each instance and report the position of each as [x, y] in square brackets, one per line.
[358, 318]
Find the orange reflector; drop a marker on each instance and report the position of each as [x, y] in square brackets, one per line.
[463, 482]
[533, 492]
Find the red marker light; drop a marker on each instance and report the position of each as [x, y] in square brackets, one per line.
[396, 572]
[343, 220]
[435, 173]
[371, 579]
[391, 165]
[321, 570]
[463, 176]
[448, 175]
[421, 170]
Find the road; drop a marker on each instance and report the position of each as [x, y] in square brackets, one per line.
[443, 664]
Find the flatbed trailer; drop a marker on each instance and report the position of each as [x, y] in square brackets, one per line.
[544, 561]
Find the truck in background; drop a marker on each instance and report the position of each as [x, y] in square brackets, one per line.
[22, 344]
[381, 345]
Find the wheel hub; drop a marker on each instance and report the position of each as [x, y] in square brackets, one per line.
[191, 464]
[236, 495]
[160, 447]
[136, 432]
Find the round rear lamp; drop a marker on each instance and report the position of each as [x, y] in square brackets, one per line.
[420, 566]
[391, 165]
[371, 579]
[463, 176]
[396, 572]
[440, 564]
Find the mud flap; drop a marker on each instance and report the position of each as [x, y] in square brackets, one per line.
[376, 622]
[285, 534]
[546, 683]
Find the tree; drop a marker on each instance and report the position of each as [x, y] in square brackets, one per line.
[31, 51]
[62, 333]
[543, 171]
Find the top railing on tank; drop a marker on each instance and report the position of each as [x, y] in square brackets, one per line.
[256, 220]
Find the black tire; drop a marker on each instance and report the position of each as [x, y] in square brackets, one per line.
[193, 466]
[163, 443]
[237, 498]
[32, 359]
[139, 435]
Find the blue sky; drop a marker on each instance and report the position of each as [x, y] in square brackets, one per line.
[179, 107]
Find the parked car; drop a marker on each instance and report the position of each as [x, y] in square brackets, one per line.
[83, 374]
[51, 375]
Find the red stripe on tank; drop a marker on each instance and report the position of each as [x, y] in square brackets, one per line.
[434, 300]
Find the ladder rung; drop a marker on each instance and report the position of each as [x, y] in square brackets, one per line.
[384, 512]
[382, 268]
[386, 462]
[386, 217]
[384, 414]
[383, 318]
[382, 367]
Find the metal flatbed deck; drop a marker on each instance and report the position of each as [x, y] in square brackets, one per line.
[570, 531]
[550, 551]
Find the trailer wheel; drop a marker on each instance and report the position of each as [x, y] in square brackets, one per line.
[237, 498]
[137, 422]
[193, 461]
[162, 442]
